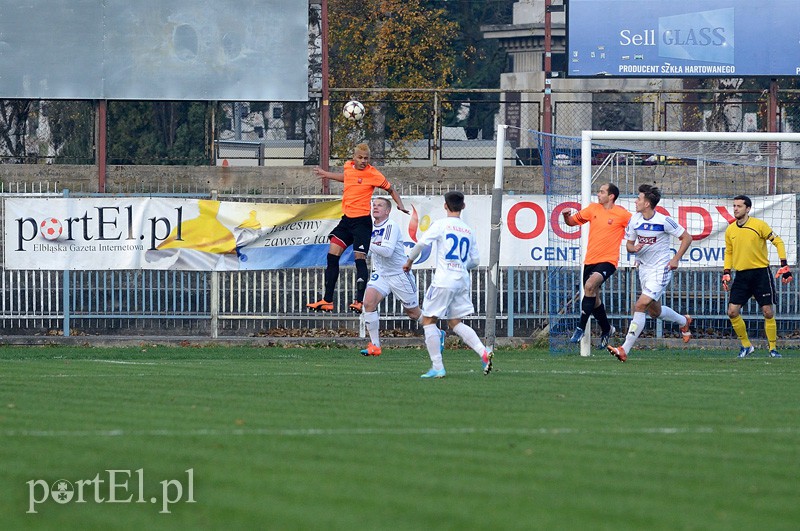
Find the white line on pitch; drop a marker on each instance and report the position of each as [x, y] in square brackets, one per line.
[316, 432]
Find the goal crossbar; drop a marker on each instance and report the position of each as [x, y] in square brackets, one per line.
[588, 137]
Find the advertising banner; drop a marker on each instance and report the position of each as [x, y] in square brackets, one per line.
[206, 235]
[682, 38]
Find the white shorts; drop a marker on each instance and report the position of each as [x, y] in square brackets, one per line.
[403, 286]
[447, 303]
[654, 281]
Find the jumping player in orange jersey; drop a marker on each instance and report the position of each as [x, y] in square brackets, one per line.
[607, 222]
[355, 228]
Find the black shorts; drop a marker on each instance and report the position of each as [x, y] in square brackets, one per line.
[354, 231]
[756, 283]
[604, 268]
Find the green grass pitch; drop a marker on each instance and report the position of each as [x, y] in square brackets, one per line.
[323, 438]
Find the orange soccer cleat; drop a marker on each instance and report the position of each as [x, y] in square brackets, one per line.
[320, 306]
[371, 350]
[618, 352]
[685, 332]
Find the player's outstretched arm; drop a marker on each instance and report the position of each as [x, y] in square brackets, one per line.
[400, 206]
[329, 174]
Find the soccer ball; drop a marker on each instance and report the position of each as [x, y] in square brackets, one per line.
[353, 110]
[50, 229]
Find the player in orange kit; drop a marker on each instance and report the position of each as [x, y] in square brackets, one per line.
[607, 222]
[360, 179]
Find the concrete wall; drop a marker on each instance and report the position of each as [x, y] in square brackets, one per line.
[124, 179]
[302, 181]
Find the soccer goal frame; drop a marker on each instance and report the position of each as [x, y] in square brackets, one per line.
[588, 137]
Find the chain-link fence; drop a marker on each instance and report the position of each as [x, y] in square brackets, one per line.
[403, 127]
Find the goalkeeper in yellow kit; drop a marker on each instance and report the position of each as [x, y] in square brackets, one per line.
[746, 252]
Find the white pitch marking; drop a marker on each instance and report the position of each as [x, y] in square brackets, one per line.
[321, 432]
[122, 362]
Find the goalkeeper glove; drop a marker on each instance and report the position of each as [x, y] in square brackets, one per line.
[726, 278]
[784, 272]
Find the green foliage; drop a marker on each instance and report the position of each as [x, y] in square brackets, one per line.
[13, 125]
[388, 44]
[478, 61]
[72, 130]
[323, 438]
[144, 132]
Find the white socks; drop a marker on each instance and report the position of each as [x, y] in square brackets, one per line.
[668, 314]
[638, 321]
[371, 322]
[433, 343]
[468, 335]
[635, 328]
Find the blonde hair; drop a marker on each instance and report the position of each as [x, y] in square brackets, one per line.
[385, 200]
[362, 147]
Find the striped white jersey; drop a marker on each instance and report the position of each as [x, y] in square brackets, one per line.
[656, 236]
[387, 249]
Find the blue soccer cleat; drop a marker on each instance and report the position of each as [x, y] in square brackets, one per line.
[577, 336]
[441, 340]
[746, 351]
[433, 373]
[605, 337]
[774, 354]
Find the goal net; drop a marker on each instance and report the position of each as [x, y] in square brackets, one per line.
[698, 174]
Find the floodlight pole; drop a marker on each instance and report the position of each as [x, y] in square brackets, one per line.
[324, 108]
[547, 112]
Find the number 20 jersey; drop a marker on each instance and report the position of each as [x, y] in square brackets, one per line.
[456, 252]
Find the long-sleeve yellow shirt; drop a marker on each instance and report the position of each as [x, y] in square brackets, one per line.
[746, 246]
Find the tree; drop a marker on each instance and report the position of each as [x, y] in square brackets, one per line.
[479, 62]
[71, 130]
[391, 44]
[162, 132]
[14, 127]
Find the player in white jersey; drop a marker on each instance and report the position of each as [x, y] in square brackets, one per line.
[448, 296]
[387, 250]
[649, 234]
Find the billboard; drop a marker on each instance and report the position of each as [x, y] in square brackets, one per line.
[112, 233]
[683, 38]
[225, 50]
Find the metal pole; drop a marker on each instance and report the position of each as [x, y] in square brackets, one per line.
[494, 239]
[324, 107]
[772, 126]
[213, 139]
[547, 114]
[101, 147]
[214, 295]
[65, 295]
[435, 134]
